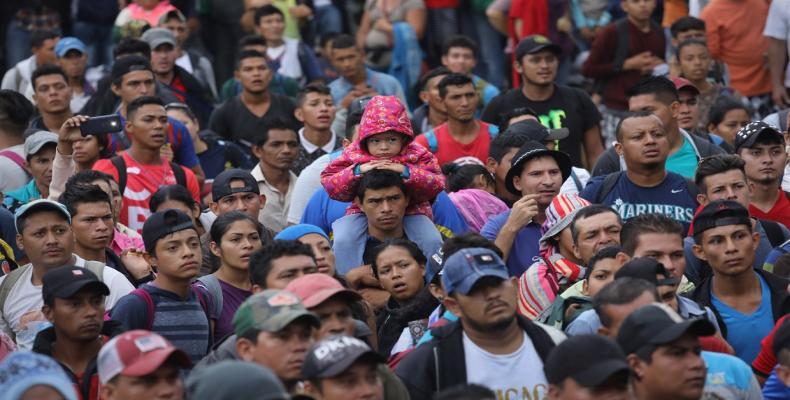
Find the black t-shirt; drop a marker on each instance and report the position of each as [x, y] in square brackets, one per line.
[234, 121]
[566, 108]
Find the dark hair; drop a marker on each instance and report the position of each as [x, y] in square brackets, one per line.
[171, 192]
[460, 177]
[505, 117]
[47, 69]
[130, 46]
[223, 223]
[438, 71]
[266, 11]
[587, 212]
[466, 241]
[685, 24]
[261, 260]
[660, 87]
[618, 292]
[466, 391]
[183, 108]
[15, 112]
[689, 42]
[717, 164]
[343, 41]
[269, 124]
[252, 40]
[313, 87]
[647, 223]
[459, 41]
[453, 79]
[378, 179]
[39, 36]
[87, 177]
[75, 195]
[328, 37]
[609, 252]
[782, 266]
[721, 106]
[631, 115]
[503, 143]
[406, 244]
[245, 54]
[139, 102]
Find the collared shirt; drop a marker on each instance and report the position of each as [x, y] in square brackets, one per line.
[383, 84]
[275, 212]
[311, 148]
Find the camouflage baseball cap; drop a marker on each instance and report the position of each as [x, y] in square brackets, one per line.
[270, 311]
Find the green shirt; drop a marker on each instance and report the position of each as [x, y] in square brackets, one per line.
[683, 161]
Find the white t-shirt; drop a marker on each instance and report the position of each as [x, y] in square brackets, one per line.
[777, 26]
[308, 182]
[12, 176]
[511, 376]
[22, 316]
[288, 57]
[185, 63]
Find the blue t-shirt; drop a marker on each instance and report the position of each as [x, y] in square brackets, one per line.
[729, 377]
[671, 198]
[525, 245]
[775, 389]
[221, 155]
[684, 161]
[744, 331]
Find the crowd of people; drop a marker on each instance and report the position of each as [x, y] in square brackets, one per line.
[395, 199]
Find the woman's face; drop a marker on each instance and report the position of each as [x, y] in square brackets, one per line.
[733, 121]
[324, 256]
[86, 150]
[399, 273]
[237, 244]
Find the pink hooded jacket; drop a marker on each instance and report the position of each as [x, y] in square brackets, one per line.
[384, 114]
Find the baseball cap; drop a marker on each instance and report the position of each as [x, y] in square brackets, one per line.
[163, 223]
[22, 370]
[720, 213]
[270, 311]
[587, 359]
[172, 14]
[156, 37]
[295, 232]
[683, 83]
[221, 185]
[646, 268]
[535, 43]
[37, 205]
[657, 324]
[64, 282]
[560, 214]
[234, 379]
[748, 135]
[137, 353]
[467, 266]
[69, 43]
[781, 337]
[334, 354]
[314, 289]
[535, 131]
[36, 141]
[532, 150]
[127, 64]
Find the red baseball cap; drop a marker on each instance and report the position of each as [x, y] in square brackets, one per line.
[137, 353]
[683, 83]
[314, 289]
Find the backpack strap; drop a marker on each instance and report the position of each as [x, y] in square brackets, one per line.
[433, 143]
[211, 283]
[607, 186]
[16, 158]
[149, 304]
[97, 268]
[621, 51]
[178, 172]
[8, 284]
[782, 115]
[120, 166]
[774, 232]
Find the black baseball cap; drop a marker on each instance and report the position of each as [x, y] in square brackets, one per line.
[532, 150]
[535, 43]
[335, 354]
[589, 360]
[720, 213]
[535, 131]
[657, 324]
[163, 223]
[65, 282]
[221, 185]
[781, 337]
[752, 131]
[127, 64]
[646, 268]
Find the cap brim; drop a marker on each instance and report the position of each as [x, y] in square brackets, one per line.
[559, 226]
[323, 295]
[554, 48]
[153, 360]
[748, 143]
[563, 161]
[342, 365]
[41, 206]
[278, 322]
[156, 43]
[469, 282]
[597, 374]
[35, 149]
[558, 134]
[697, 327]
[71, 289]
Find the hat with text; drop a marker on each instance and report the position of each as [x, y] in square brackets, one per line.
[68, 43]
[137, 353]
[271, 311]
[466, 267]
[40, 205]
[156, 37]
[655, 325]
[333, 355]
[590, 360]
[35, 142]
[748, 135]
[65, 282]
[163, 223]
[221, 186]
[720, 213]
[529, 151]
[533, 44]
[648, 269]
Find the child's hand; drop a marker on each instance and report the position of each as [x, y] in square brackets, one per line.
[370, 165]
[392, 166]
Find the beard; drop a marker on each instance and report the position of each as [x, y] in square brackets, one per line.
[496, 326]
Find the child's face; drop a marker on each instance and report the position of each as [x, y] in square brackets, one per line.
[384, 145]
[639, 10]
[691, 34]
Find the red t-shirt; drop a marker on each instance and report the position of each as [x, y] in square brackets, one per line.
[780, 212]
[141, 183]
[765, 361]
[449, 149]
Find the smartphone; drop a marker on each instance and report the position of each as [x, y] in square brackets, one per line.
[101, 125]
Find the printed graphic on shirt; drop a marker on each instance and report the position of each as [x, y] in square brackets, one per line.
[554, 119]
[630, 210]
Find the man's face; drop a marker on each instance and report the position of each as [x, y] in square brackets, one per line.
[359, 382]
[675, 370]
[47, 239]
[489, 307]
[283, 351]
[52, 94]
[347, 62]
[691, 34]
[287, 268]
[40, 165]
[730, 185]
[178, 255]
[638, 9]
[539, 69]
[163, 384]
[86, 149]
[648, 102]
[461, 102]
[335, 316]
[643, 142]
[79, 317]
[322, 250]
[46, 53]
[688, 109]
[729, 249]
[666, 248]
[247, 202]
[542, 176]
[179, 29]
[764, 162]
[317, 111]
[73, 63]
[615, 388]
[280, 150]
[602, 274]
[594, 233]
[271, 27]
[459, 60]
[93, 225]
[148, 126]
[617, 313]
[163, 58]
[384, 209]
[694, 61]
[135, 84]
[254, 74]
[431, 95]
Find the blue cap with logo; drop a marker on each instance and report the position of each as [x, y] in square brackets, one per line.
[69, 43]
[463, 269]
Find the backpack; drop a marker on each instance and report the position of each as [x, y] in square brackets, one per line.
[16, 159]
[214, 290]
[145, 296]
[773, 230]
[611, 180]
[120, 165]
[433, 142]
[621, 47]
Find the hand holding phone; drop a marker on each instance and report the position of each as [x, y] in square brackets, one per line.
[101, 125]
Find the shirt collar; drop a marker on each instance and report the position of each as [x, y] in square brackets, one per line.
[311, 148]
